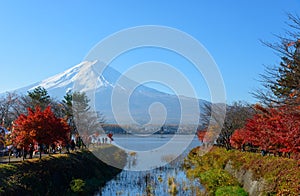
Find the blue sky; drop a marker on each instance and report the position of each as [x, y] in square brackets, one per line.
[40, 39]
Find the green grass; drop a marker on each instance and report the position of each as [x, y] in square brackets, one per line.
[214, 178]
[231, 191]
[75, 173]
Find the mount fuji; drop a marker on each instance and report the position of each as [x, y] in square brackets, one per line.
[145, 104]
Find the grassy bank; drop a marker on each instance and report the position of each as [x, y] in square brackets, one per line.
[76, 173]
[281, 175]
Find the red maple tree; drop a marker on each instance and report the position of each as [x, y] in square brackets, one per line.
[274, 130]
[41, 127]
[201, 134]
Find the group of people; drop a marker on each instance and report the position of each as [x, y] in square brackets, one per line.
[20, 151]
[75, 143]
[33, 149]
[99, 139]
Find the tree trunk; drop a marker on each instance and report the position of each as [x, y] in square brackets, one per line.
[40, 152]
[9, 156]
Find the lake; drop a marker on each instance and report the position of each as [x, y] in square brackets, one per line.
[138, 177]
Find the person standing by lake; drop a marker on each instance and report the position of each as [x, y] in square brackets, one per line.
[30, 149]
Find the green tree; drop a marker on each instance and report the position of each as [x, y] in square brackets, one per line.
[67, 103]
[79, 116]
[39, 97]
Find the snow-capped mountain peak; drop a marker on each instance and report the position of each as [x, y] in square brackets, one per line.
[85, 73]
[86, 77]
[61, 79]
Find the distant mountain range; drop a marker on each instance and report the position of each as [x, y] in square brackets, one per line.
[140, 100]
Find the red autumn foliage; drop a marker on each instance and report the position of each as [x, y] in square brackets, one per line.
[239, 138]
[201, 134]
[110, 135]
[207, 135]
[41, 127]
[273, 129]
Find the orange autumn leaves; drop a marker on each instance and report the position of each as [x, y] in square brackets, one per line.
[41, 127]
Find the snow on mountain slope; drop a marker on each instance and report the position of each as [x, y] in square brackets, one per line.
[62, 79]
[59, 84]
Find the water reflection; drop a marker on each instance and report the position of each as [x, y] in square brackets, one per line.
[167, 180]
[150, 151]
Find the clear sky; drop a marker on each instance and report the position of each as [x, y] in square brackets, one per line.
[39, 39]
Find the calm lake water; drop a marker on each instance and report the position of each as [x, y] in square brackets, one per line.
[158, 181]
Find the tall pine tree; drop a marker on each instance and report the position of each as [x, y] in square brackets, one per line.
[39, 97]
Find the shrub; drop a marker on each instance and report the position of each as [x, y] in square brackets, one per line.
[77, 185]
